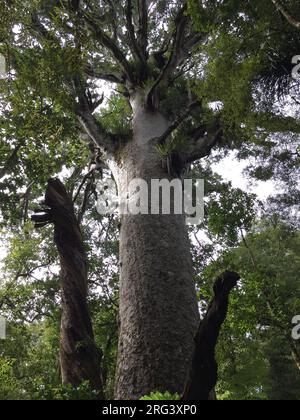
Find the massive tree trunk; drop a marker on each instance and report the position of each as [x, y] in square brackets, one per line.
[158, 306]
[204, 371]
[79, 357]
[158, 310]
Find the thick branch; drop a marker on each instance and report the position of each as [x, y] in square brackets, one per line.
[286, 14]
[96, 73]
[85, 178]
[182, 46]
[181, 22]
[204, 371]
[200, 145]
[110, 45]
[134, 45]
[93, 128]
[177, 122]
[90, 124]
[143, 26]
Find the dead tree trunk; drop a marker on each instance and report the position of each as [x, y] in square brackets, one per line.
[79, 357]
[203, 376]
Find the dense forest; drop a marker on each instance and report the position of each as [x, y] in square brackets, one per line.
[133, 305]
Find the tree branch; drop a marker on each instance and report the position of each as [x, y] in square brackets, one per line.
[110, 45]
[286, 14]
[177, 122]
[136, 49]
[85, 178]
[95, 73]
[90, 124]
[143, 26]
[87, 194]
[115, 7]
[182, 46]
[201, 145]
[93, 128]
[180, 23]
[204, 371]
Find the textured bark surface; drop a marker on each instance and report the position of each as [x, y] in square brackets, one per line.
[204, 371]
[158, 306]
[79, 357]
[158, 311]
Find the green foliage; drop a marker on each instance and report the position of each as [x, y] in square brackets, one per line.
[229, 212]
[66, 392]
[255, 346]
[116, 118]
[9, 386]
[155, 396]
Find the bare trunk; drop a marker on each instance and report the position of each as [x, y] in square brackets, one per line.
[158, 311]
[204, 371]
[79, 357]
[158, 306]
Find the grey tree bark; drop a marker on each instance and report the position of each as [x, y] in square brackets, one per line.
[158, 306]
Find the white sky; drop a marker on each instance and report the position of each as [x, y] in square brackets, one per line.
[232, 170]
